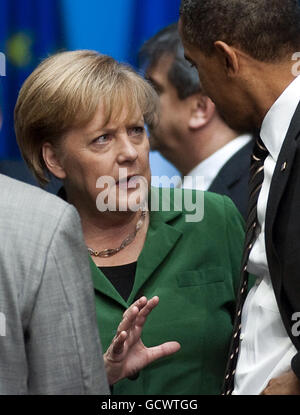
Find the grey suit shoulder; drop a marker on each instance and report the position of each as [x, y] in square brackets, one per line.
[51, 343]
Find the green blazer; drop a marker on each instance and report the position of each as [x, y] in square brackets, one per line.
[194, 269]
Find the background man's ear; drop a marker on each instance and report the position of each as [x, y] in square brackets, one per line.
[228, 57]
[52, 161]
[201, 112]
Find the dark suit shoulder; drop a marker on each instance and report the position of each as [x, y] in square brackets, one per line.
[232, 180]
[22, 196]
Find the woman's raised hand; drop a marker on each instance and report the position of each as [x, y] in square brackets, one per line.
[127, 354]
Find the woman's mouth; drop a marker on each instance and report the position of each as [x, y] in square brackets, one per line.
[128, 182]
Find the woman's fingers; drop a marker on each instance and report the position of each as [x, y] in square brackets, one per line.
[163, 350]
[145, 311]
[119, 343]
[130, 314]
[134, 319]
[138, 311]
[127, 352]
[151, 304]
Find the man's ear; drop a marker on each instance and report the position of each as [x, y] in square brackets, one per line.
[201, 111]
[228, 57]
[52, 161]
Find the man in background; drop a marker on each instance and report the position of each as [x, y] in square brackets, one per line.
[190, 133]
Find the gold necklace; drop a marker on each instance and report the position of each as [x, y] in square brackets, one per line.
[130, 238]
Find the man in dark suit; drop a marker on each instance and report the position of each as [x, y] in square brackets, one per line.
[190, 132]
[18, 170]
[245, 54]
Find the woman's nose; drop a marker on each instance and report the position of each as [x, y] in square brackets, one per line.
[127, 151]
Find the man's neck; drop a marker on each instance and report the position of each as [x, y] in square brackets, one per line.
[267, 89]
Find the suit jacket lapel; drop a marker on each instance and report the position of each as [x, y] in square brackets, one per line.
[281, 175]
[232, 171]
[161, 238]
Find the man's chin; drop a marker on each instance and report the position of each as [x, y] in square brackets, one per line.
[241, 126]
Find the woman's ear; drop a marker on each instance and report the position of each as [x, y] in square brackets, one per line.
[201, 112]
[228, 57]
[52, 161]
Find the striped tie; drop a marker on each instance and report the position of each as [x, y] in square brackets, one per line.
[255, 183]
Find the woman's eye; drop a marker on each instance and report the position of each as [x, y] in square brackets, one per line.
[136, 131]
[103, 139]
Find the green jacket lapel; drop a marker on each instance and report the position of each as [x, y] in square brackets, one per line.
[161, 238]
[104, 286]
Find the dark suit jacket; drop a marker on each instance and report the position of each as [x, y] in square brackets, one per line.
[283, 233]
[18, 170]
[232, 180]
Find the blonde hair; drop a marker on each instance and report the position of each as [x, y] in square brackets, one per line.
[64, 92]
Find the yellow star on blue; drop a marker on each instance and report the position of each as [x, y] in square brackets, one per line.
[19, 49]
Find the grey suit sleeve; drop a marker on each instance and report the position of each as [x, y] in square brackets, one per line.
[61, 340]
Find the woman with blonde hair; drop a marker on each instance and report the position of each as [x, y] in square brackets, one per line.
[81, 116]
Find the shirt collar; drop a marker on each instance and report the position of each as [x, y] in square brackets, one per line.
[210, 167]
[277, 121]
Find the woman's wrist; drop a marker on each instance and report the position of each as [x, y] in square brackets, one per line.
[112, 377]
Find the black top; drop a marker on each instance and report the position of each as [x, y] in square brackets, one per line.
[121, 277]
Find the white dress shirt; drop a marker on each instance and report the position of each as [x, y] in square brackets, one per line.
[209, 168]
[266, 350]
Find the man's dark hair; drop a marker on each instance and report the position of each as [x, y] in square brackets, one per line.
[265, 29]
[181, 75]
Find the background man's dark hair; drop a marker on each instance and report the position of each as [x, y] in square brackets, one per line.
[181, 75]
[265, 29]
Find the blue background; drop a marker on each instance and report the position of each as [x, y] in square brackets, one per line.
[32, 29]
